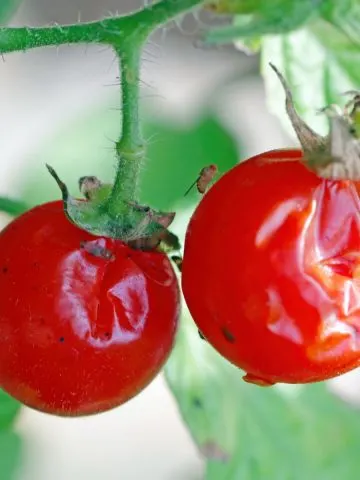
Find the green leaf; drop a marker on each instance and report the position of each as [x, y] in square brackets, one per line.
[9, 408]
[8, 9]
[10, 442]
[319, 62]
[265, 18]
[344, 15]
[10, 454]
[12, 207]
[248, 432]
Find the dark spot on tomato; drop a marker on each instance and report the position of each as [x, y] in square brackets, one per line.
[107, 334]
[197, 402]
[5, 269]
[228, 335]
[36, 265]
[201, 335]
[61, 339]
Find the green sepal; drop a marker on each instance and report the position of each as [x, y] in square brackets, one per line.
[132, 222]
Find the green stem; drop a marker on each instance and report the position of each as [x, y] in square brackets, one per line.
[25, 38]
[126, 35]
[130, 58]
[162, 12]
[130, 147]
[111, 31]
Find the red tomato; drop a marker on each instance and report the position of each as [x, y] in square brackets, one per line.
[80, 333]
[271, 270]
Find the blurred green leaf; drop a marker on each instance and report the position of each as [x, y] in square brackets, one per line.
[11, 206]
[345, 15]
[83, 146]
[315, 44]
[264, 17]
[175, 157]
[10, 442]
[177, 154]
[253, 18]
[9, 408]
[7, 9]
[248, 432]
[10, 452]
[320, 63]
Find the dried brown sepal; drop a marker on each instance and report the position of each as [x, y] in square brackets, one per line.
[177, 259]
[206, 176]
[310, 141]
[97, 250]
[337, 155]
[344, 151]
[212, 451]
[352, 107]
[170, 242]
[162, 240]
[145, 244]
[88, 186]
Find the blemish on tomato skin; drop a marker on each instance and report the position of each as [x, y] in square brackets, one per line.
[229, 337]
[5, 269]
[254, 379]
[201, 335]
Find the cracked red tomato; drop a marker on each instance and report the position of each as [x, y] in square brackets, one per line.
[85, 322]
[271, 270]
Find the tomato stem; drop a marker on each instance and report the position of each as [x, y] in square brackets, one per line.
[130, 147]
[118, 214]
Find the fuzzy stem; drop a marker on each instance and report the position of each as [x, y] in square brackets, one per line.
[130, 83]
[110, 31]
[126, 35]
[130, 147]
[162, 12]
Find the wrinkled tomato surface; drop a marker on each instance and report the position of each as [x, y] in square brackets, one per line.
[271, 270]
[80, 333]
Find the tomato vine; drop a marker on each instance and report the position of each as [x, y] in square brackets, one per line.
[117, 214]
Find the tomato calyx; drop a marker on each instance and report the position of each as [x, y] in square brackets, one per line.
[139, 226]
[335, 156]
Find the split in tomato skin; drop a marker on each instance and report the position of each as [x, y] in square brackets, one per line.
[271, 270]
[83, 326]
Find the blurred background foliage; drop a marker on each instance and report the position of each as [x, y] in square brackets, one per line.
[247, 432]
[243, 431]
[175, 155]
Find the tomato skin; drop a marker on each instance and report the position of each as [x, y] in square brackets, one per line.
[271, 270]
[80, 333]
